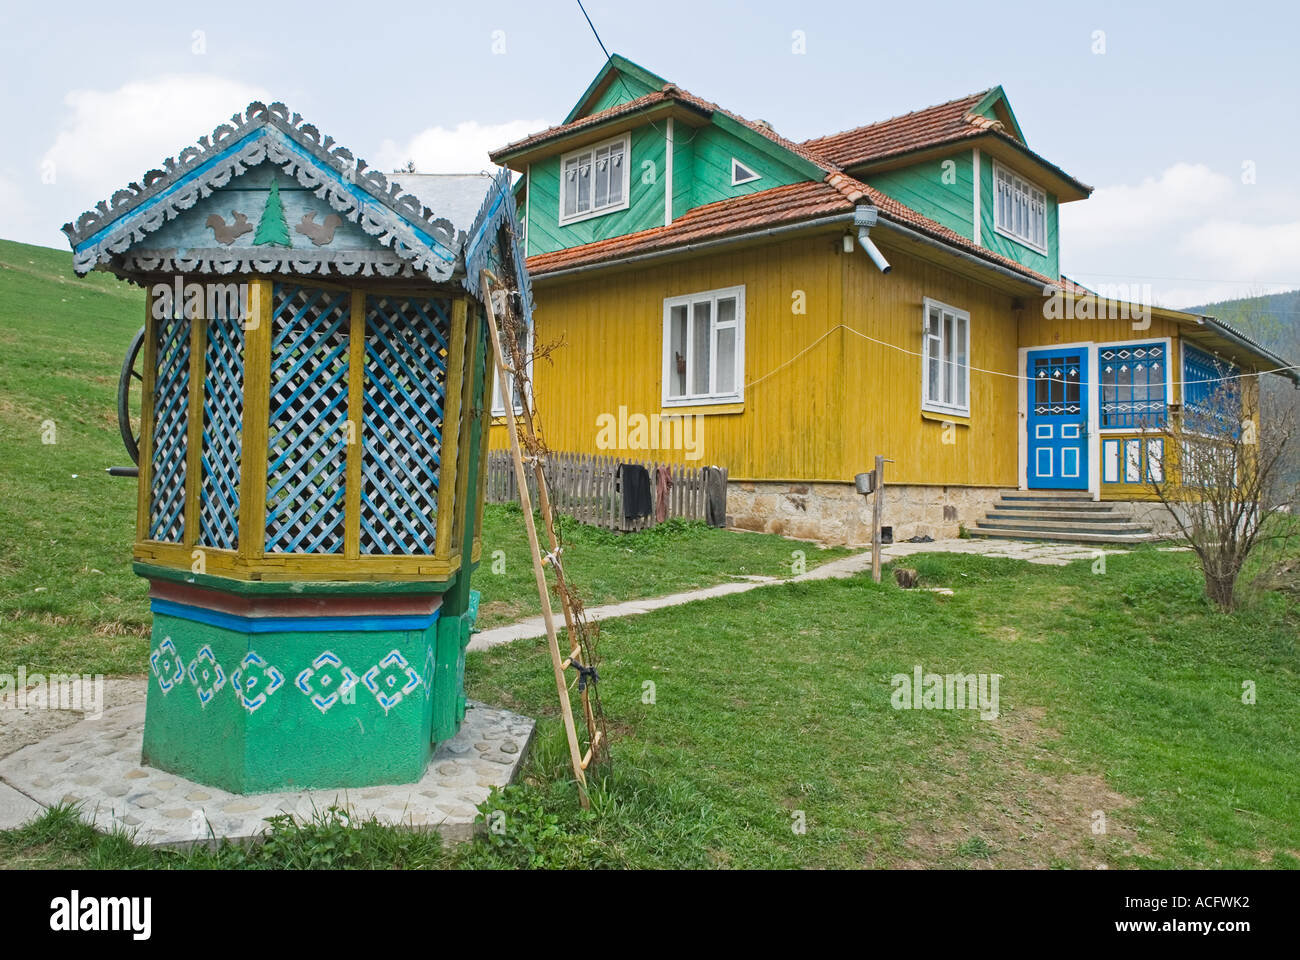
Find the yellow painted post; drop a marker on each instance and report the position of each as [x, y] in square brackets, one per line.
[451, 428]
[356, 402]
[483, 391]
[469, 336]
[194, 435]
[144, 482]
[257, 407]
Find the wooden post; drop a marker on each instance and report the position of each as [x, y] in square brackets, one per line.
[875, 518]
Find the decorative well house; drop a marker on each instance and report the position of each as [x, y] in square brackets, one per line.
[315, 370]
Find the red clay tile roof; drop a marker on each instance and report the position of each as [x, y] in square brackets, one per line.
[921, 128]
[837, 193]
[669, 93]
[779, 205]
[789, 204]
[564, 129]
[949, 122]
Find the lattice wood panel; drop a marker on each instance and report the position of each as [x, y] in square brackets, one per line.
[307, 426]
[223, 410]
[402, 423]
[171, 423]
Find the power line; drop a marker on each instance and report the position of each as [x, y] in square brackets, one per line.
[993, 373]
[594, 30]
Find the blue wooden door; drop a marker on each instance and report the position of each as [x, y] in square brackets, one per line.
[1058, 419]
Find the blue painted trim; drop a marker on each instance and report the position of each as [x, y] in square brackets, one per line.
[361, 195]
[233, 621]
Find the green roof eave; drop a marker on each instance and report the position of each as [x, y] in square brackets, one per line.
[613, 64]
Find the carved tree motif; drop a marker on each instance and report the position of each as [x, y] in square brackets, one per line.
[273, 228]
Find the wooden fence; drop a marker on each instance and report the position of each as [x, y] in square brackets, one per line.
[587, 488]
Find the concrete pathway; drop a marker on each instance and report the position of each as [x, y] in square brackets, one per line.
[1055, 554]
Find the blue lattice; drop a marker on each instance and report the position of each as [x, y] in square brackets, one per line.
[307, 438]
[1211, 393]
[1133, 385]
[171, 423]
[405, 387]
[223, 409]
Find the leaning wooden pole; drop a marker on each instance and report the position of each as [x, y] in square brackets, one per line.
[548, 524]
[539, 571]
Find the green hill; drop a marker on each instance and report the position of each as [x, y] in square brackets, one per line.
[65, 526]
[1272, 319]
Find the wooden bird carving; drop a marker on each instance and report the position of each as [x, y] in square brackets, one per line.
[228, 234]
[319, 233]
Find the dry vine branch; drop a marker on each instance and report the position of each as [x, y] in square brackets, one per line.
[1222, 477]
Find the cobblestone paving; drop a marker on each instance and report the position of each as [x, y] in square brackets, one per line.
[96, 763]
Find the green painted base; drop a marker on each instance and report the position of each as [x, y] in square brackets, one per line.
[253, 705]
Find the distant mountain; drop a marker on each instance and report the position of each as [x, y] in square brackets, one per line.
[1273, 320]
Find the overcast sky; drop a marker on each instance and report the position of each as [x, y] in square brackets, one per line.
[1184, 116]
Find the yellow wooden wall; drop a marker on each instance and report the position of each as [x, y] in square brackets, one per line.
[883, 384]
[823, 416]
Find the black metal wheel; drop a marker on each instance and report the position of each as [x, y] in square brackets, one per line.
[130, 395]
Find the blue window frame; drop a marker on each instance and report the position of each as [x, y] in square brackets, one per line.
[1134, 385]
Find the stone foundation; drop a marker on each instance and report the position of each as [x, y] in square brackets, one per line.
[1150, 514]
[835, 513]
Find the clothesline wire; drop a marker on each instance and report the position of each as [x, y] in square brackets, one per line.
[973, 369]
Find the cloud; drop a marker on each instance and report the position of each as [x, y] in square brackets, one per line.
[460, 150]
[1179, 194]
[1195, 235]
[110, 138]
[1267, 251]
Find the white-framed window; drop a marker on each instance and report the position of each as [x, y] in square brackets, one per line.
[1019, 209]
[740, 173]
[498, 400]
[594, 180]
[945, 366]
[704, 347]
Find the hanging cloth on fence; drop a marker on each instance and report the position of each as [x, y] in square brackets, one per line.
[663, 481]
[635, 482]
[715, 497]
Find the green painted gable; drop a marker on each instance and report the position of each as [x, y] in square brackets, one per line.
[946, 195]
[707, 178]
[618, 81]
[943, 190]
[645, 194]
[1048, 265]
[996, 106]
[621, 90]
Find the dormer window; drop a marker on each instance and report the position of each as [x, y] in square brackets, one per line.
[1019, 209]
[594, 180]
[741, 173]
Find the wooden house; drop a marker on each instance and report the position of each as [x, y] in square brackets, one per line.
[892, 289]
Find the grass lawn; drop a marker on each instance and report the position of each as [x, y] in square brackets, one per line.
[748, 731]
[1121, 711]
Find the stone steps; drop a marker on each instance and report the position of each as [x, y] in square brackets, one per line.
[1066, 517]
